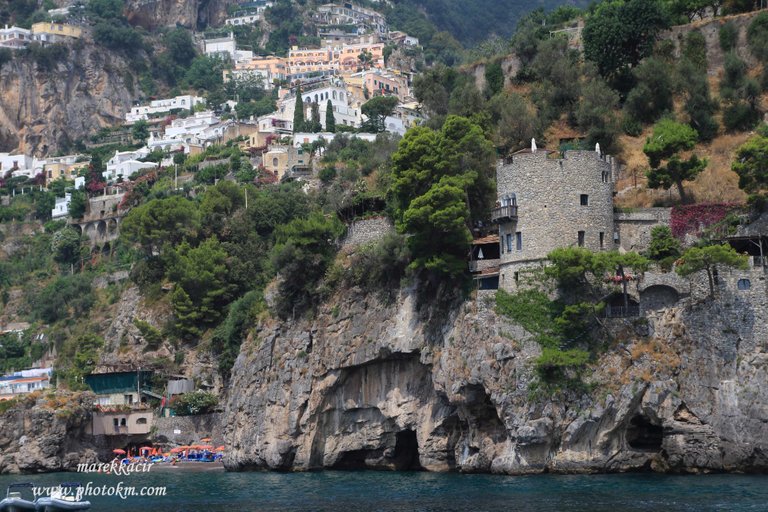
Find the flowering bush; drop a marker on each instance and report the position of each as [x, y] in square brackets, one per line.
[619, 279]
[694, 218]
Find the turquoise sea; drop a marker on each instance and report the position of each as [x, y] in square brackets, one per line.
[418, 491]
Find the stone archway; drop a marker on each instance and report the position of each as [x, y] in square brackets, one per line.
[101, 229]
[658, 296]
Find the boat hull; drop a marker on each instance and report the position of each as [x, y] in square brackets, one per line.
[57, 505]
[16, 505]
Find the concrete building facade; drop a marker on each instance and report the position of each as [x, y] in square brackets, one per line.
[546, 201]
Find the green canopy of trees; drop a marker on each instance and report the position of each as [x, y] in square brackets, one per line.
[708, 259]
[376, 110]
[751, 164]
[662, 149]
[441, 181]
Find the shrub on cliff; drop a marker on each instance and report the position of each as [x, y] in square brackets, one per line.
[196, 402]
[303, 250]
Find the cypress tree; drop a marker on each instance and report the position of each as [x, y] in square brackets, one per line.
[299, 122]
[315, 125]
[330, 120]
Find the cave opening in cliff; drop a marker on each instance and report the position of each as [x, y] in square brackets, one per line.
[407, 451]
[644, 435]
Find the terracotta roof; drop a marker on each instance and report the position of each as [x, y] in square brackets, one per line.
[27, 379]
[490, 239]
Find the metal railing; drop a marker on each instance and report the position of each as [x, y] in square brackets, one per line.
[504, 213]
[622, 311]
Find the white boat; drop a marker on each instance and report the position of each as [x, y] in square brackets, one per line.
[14, 501]
[64, 498]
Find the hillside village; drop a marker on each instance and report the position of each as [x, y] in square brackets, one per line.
[147, 267]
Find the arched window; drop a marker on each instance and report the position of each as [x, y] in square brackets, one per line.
[334, 94]
[274, 162]
[123, 422]
[141, 421]
[744, 284]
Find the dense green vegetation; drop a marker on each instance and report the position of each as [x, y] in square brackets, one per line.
[569, 329]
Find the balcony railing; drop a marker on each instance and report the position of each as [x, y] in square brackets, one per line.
[621, 311]
[504, 214]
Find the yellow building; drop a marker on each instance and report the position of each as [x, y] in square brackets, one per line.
[54, 171]
[282, 159]
[55, 31]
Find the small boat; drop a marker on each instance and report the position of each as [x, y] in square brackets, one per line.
[14, 501]
[62, 499]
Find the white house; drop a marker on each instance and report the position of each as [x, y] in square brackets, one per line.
[299, 139]
[15, 37]
[345, 111]
[184, 128]
[17, 165]
[61, 208]
[125, 163]
[248, 19]
[127, 168]
[13, 386]
[184, 102]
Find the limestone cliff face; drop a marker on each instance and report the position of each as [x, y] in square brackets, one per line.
[46, 434]
[194, 14]
[44, 111]
[368, 385]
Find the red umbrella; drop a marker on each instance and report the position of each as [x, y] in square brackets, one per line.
[118, 451]
[221, 448]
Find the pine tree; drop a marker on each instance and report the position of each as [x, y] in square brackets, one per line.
[330, 120]
[299, 123]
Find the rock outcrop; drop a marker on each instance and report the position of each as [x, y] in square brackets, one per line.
[43, 111]
[43, 434]
[368, 385]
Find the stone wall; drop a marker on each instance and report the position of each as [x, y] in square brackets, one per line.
[365, 231]
[548, 195]
[184, 430]
[634, 227]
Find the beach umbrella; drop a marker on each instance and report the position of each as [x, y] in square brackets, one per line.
[206, 447]
[221, 448]
[118, 451]
[206, 440]
[177, 450]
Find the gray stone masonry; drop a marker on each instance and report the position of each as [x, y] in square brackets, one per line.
[557, 198]
[634, 227]
[364, 231]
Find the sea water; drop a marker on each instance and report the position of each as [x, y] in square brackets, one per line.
[215, 491]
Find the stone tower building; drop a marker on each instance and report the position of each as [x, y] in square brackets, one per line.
[546, 202]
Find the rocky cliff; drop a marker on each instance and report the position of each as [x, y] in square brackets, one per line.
[370, 385]
[195, 14]
[45, 110]
[46, 433]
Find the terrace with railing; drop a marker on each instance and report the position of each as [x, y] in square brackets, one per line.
[504, 214]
